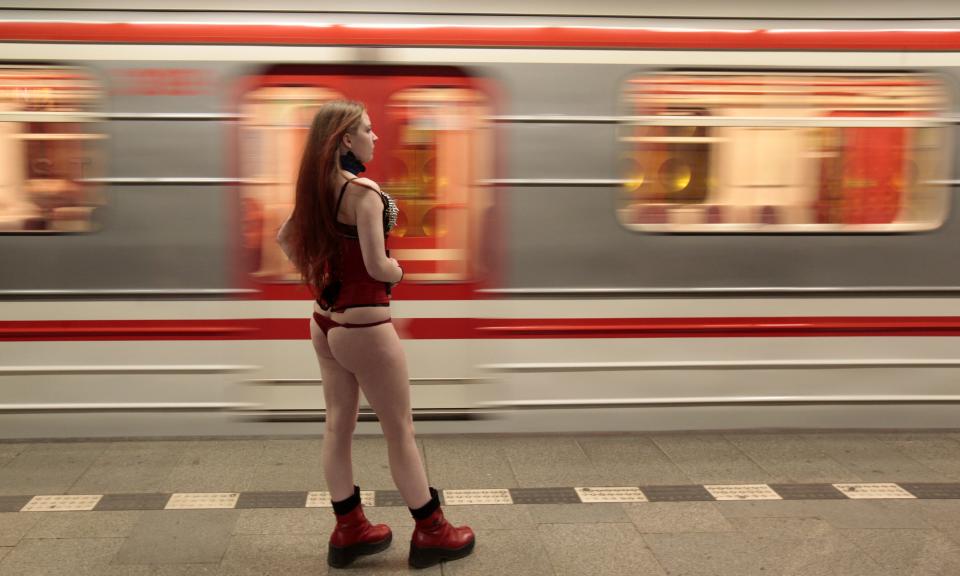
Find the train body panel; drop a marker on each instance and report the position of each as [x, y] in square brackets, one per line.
[552, 313]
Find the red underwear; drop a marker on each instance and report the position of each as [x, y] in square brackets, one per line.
[326, 324]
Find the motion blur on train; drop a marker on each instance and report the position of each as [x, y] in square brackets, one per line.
[606, 223]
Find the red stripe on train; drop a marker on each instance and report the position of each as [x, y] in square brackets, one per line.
[247, 329]
[940, 39]
[722, 327]
[471, 328]
[83, 330]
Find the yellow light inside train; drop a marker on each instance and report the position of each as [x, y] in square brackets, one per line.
[675, 175]
[429, 170]
[633, 169]
[400, 229]
[430, 225]
[633, 182]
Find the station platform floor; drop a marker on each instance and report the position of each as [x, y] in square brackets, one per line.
[704, 504]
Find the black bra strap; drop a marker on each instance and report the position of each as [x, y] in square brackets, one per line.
[336, 211]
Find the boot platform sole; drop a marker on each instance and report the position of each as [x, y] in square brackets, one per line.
[342, 557]
[426, 557]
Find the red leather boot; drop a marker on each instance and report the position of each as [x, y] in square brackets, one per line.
[354, 535]
[434, 539]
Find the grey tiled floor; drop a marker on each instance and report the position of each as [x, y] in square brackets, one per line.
[809, 537]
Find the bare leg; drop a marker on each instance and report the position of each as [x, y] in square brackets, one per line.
[375, 356]
[341, 393]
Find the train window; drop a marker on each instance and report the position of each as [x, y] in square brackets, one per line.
[433, 149]
[47, 149]
[442, 150]
[784, 153]
[272, 136]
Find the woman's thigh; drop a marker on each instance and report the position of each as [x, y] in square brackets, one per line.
[375, 356]
[341, 392]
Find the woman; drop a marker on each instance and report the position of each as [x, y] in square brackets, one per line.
[337, 237]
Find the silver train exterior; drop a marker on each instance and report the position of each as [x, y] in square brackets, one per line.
[575, 281]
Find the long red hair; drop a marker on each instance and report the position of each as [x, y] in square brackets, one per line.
[314, 240]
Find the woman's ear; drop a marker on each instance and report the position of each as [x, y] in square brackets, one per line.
[346, 141]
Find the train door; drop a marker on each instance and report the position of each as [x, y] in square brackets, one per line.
[433, 151]
[869, 182]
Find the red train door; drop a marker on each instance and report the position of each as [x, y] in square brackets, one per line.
[434, 149]
[432, 152]
[871, 171]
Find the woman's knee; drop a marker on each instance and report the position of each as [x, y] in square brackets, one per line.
[398, 429]
[341, 415]
[341, 425]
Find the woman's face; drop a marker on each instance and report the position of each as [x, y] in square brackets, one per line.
[360, 141]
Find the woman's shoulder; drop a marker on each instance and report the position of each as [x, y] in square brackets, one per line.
[367, 196]
[364, 184]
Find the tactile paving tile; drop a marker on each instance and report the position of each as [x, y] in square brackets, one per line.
[272, 500]
[321, 499]
[389, 498]
[873, 491]
[742, 492]
[686, 493]
[552, 495]
[13, 503]
[491, 496]
[544, 496]
[929, 490]
[610, 494]
[133, 502]
[808, 492]
[318, 500]
[62, 503]
[202, 500]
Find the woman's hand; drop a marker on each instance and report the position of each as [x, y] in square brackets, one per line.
[397, 266]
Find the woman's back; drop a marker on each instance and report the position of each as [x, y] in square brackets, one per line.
[365, 273]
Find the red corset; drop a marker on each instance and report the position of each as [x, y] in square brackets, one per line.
[354, 287]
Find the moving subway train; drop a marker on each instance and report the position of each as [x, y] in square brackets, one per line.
[606, 223]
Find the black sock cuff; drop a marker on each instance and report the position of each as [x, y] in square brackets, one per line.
[429, 508]
[347, 505]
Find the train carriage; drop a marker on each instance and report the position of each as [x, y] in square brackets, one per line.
[607, 223]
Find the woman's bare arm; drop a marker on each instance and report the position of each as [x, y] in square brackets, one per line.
[370, 230]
